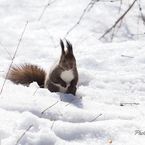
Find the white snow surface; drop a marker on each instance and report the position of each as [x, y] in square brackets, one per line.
[110, 73]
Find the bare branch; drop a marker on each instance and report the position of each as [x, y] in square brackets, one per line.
[88, 8]
[24, 134]
[51, 38]
[14, 57]
[120, 19]
[142, 16]
[49, 3]
[81, 17]
[92, 4]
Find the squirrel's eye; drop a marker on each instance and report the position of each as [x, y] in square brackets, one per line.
[64, 60]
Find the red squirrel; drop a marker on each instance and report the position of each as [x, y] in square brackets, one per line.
[62, 77]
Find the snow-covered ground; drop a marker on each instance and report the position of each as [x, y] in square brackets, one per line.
[111, 74]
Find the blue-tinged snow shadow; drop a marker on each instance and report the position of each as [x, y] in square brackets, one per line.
[72, 100]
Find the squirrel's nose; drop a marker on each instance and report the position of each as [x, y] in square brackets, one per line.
[71, 65]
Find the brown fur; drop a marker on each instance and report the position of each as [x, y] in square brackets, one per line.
[26, 74]
[67, 62]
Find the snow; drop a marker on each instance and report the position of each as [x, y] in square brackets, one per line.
[110, 101]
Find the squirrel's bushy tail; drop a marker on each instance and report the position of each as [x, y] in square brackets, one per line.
[26, 74]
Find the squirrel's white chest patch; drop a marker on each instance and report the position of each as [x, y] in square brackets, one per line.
[67, 76]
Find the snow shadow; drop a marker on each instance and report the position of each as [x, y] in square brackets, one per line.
[72, 100]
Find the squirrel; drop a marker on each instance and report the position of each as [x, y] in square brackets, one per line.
[62, 77]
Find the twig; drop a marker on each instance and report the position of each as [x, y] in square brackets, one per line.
[95, 118]
[137, 34]
[81, 17]
[120, 6]
[14, 57]
[5, 50]
[122, 104]
[47, 109]
[142, 16]
[113, 27]
[33, 125]
[59, 112]
[49, 3]
[127, 56]
[92, 4]
[74, 101]
[24, 134]
[36, 91]
[51, 38]
[53, 123]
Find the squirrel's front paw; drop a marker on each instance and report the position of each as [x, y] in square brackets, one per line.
[63, 84]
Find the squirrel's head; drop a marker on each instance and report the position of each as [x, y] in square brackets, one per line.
[67, 59]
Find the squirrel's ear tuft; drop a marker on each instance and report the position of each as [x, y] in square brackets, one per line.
[62, 46]
[69, 46]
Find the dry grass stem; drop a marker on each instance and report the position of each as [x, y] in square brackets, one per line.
[49, 3]
[127, 56]
[47, 109]
[89, 6]
[74, 101]
[123, 104]
[33, 125]
[24, 134]
[96, 118]
[53, 123]
[119, 20]
[36, 91]
[6, 50]
[59, 112]
[13, 57]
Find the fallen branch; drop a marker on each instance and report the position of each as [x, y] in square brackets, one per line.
[120, 19]
[24, 134]
[13, 57]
